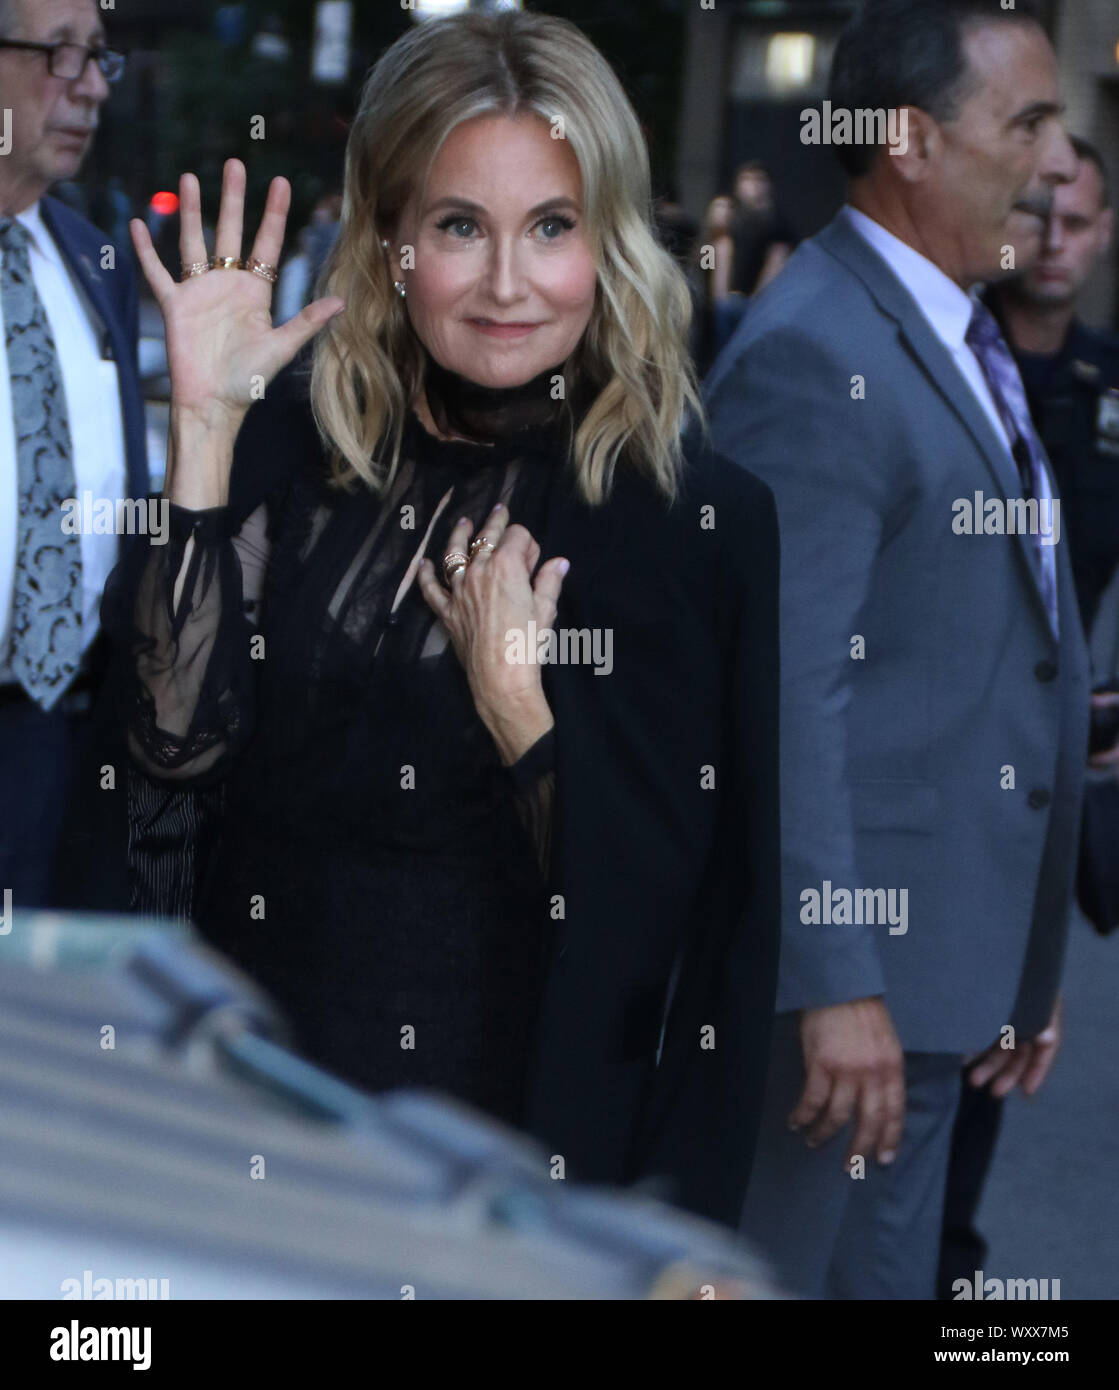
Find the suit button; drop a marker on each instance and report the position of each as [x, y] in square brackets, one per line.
[1039, 798]
[1046, 671]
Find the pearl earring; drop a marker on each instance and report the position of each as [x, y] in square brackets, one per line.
[398, 285]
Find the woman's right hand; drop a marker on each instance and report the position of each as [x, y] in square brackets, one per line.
[219, 324]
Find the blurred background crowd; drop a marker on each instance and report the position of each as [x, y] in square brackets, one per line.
[719, 90]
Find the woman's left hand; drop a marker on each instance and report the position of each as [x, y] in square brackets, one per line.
[484, 607]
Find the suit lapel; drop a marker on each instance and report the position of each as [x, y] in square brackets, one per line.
[88, 274]
[844, 242]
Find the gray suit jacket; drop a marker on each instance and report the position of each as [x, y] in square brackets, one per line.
[897, 767]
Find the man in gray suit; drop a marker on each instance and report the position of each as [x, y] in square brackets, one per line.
[934, 682]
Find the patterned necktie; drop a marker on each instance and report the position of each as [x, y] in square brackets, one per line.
[985, 339]
[47, 604]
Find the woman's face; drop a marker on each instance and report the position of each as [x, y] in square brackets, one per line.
[719, 216]
[504, 279]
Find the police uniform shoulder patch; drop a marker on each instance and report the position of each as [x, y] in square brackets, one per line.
[1107, 422]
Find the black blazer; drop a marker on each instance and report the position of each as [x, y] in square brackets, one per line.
[651, 868]
[666, 847]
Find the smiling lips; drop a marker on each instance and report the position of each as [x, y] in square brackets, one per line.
[503, 330]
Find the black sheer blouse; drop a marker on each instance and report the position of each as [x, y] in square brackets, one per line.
[376, 869]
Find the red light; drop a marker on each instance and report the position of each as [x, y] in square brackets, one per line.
[165, 204]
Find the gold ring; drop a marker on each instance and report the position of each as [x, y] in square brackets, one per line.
[480, 543]
[454, 563]
[226, 263]
[263, 270]
[195, 268]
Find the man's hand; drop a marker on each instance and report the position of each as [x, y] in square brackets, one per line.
[1027, 1064]
[853, 1064]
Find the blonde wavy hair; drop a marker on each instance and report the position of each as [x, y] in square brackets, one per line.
[368, 364]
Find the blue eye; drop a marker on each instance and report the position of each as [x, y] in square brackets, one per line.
[456, 221]
[560, 224]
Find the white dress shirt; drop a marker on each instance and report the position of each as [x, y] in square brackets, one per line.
[96, 427]
[947, 308]
[949, 311]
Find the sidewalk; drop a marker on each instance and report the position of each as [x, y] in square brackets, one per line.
[1051, 1208]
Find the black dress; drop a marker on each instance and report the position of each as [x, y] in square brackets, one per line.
[377, 870]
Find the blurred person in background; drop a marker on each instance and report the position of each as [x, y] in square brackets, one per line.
[717, 238]
[711, 271]
[300, 272]
[1071, 376]
[528, 883]
[1071, 372]
[763, 238]
[71, 421]
[760, 242]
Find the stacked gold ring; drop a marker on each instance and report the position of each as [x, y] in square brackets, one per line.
[454, 563]
[262, 270]
[480, 543]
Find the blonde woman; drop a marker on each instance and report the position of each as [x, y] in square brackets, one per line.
[484, 655]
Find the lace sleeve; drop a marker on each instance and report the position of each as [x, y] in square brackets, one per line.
[181, 616]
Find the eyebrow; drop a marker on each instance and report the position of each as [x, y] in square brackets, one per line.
[67, 33]
[1038, 108]
[467, 206]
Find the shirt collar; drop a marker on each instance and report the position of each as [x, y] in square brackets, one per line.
[948, 308]
[41, 239]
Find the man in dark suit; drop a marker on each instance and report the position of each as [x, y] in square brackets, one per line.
[72, 442]
[934, 677]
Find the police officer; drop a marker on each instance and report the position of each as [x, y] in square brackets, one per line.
[1071, 376]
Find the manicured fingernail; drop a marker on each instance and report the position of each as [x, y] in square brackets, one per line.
[887, 1157]
[564, 566]
[499, 508]
[464, 521]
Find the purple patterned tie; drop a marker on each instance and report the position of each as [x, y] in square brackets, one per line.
[985, 339]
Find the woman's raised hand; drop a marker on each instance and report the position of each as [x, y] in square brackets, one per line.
[220, 340]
